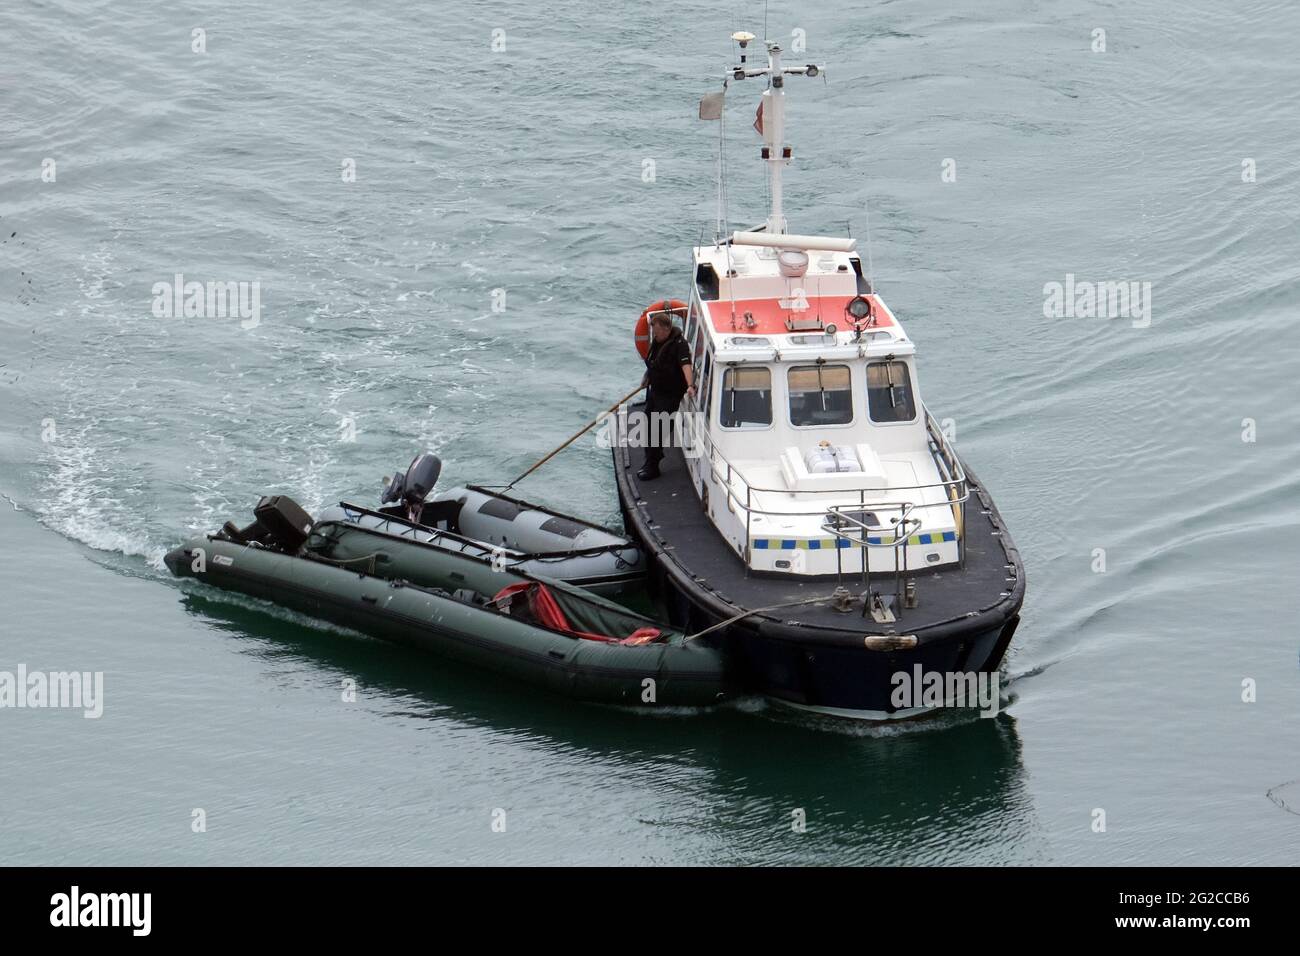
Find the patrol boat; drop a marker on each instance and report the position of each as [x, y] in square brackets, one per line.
[814, 515]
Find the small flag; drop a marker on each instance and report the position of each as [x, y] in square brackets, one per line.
[758, 117]
[711, 105]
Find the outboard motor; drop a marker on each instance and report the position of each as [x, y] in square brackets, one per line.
[279, 522]
[413, 486]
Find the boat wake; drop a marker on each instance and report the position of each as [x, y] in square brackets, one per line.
[85, 498]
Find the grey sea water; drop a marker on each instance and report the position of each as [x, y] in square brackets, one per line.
[1172, 447]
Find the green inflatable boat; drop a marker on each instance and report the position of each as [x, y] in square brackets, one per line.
[462, 606]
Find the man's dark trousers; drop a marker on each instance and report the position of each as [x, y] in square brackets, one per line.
[654, 452]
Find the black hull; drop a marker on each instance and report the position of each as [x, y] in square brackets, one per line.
[821, 659]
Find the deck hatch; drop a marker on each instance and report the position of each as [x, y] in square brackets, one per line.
[498, 508]
[563, 526]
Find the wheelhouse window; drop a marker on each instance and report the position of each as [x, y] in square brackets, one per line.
[746, 398]
[820, 395]
[889, 392]
[704, 386]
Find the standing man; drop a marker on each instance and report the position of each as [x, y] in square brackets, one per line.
[668, 374]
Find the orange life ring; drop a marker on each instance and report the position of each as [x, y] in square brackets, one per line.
[642, 333]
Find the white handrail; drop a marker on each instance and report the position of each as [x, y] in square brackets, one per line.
[956, 493]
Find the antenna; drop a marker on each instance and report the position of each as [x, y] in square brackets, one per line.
[722, 145]
[871, 268]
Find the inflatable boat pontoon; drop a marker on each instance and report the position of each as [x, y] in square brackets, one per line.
[488, 524]
[405, 581]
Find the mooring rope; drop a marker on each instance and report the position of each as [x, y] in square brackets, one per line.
[750, 613]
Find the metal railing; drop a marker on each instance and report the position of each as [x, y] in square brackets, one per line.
[955, 487]
[838, 521]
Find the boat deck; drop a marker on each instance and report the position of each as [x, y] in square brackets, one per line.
[674, 524]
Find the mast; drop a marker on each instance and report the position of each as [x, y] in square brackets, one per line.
[772, 114]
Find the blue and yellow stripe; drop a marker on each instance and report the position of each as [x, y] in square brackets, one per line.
[829, 544]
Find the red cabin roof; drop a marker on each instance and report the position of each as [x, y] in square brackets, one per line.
[771, 315]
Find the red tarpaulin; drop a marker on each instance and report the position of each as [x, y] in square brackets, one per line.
[548, 613]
